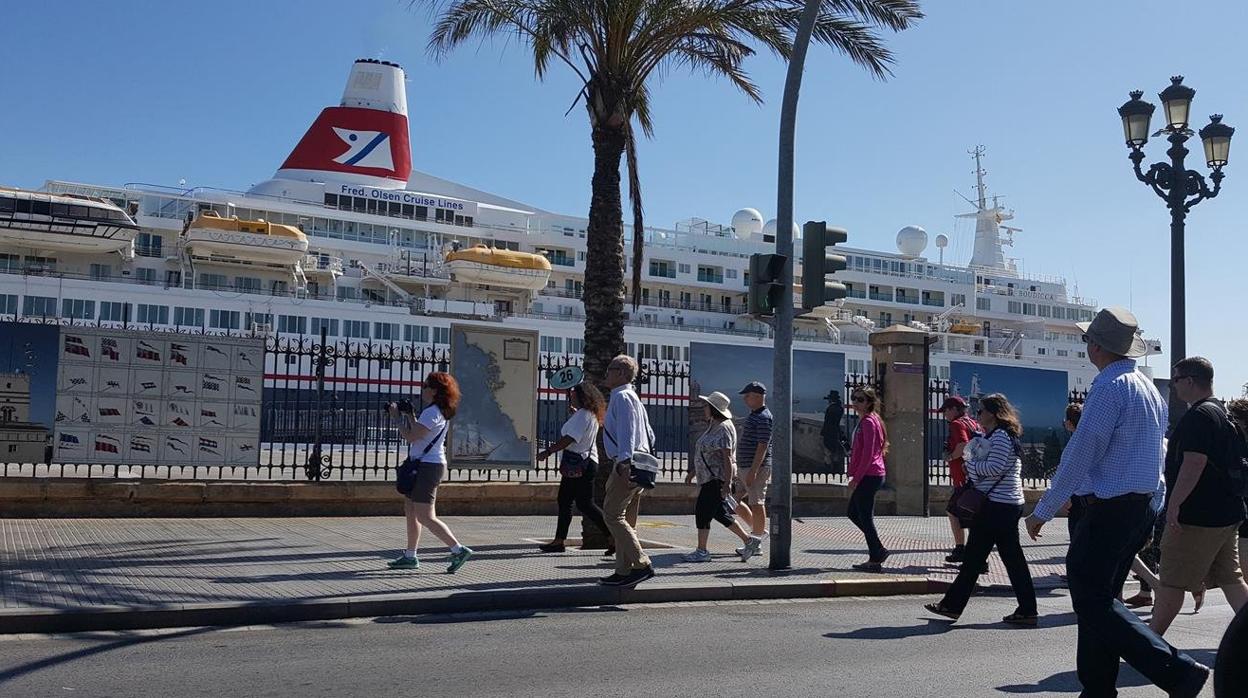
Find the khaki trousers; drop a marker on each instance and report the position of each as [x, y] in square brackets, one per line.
[621, 495]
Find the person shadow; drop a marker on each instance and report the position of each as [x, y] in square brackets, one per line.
[1068, 681]
[933, 626]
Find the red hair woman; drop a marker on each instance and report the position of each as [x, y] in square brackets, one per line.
[425, 468]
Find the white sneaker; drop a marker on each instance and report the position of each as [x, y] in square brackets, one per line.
[698, 555]
[751, 548]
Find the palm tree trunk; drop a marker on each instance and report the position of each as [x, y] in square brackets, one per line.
[604, 256]
[603, 297]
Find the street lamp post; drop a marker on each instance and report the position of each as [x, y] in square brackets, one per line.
[1178, 186]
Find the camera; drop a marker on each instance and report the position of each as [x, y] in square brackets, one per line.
[404, 406]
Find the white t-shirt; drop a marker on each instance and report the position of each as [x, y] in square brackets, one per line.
[431, 418]
[582, 426]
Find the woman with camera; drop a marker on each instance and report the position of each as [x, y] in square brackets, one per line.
[578, 462]
[419, 476]
[994, 466]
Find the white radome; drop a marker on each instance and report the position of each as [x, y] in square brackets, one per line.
[747, 223]
[911, 240]
[942, 241]
[770, 229]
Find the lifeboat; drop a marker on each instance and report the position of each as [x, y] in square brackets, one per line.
[233, 240]
[965, 327]
[64, 222]
[494, 267]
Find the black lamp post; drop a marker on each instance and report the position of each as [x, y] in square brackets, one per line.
[1178, 186]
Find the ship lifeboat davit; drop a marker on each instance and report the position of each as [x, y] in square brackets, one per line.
[495, 267]
[256, 242]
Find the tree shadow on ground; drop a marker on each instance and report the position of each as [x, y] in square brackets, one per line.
[47, 662]
[1068, 681]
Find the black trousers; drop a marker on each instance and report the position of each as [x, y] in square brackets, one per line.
[1107, 537]
[996, 525]
[862, 514]
[579, 490]
[711, 507]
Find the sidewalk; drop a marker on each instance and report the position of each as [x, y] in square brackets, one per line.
[60, 575]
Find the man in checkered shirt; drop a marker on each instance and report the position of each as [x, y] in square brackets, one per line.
[1113, 465]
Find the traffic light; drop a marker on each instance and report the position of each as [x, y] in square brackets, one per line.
[817, 263]
[765, 285]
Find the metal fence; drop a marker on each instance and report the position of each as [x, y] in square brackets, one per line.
[1040, 458]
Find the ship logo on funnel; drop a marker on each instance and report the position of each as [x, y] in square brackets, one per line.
[365, 149]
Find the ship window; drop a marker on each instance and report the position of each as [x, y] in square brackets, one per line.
[188, 317]
[331, 200]
[415, 333]
[358, 204]
[78, 309]
[371, 205]
[42, 208]
[114, 312]
[441, 335]
[422, 213]
[330, 326]
[223, 319]
[153, 314]
[78, 211]
[344, 203]
[407, 210]
[6, 204]
[23, 206]
[39, 306]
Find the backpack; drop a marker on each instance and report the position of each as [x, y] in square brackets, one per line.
[1237, 456]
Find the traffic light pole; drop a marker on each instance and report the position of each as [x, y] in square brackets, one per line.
[781, 500]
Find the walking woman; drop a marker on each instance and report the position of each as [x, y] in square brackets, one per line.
[580, 459]
[994, 464]
[866, 474]
[715, 466]
[425, 467]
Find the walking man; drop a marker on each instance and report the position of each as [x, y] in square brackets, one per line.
[626, 431]
[1199, 547]
[754, 465]
[961, 429]
[1113, 464]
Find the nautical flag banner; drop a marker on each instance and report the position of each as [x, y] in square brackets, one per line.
[175, 398]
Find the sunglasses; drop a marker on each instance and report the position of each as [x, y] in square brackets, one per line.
[859, 398]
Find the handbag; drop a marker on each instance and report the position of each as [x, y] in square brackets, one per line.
[966, 501]
[405, 476]
[644, 467]
[573, 464]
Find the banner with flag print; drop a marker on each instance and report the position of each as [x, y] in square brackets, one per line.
[76, 348]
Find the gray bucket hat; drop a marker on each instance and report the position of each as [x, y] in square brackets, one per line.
[1116, 330]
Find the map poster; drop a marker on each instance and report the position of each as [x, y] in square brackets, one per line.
[496, 426]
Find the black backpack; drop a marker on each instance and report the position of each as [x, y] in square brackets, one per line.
[1237, 455]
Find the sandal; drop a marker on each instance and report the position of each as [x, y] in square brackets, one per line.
[1138, 601]
[940, 610]
[1017, 618]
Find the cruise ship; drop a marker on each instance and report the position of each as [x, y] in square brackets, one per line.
[347, 239]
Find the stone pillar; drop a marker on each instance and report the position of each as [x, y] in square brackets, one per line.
[899, 359]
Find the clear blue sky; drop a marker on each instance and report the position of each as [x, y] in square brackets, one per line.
[217, 93]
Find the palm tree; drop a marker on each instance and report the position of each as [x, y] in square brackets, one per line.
[618, 49]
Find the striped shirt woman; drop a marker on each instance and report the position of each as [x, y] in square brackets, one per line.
[998, 471]
[994, 465]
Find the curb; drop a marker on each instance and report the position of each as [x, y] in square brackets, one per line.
[96, 618]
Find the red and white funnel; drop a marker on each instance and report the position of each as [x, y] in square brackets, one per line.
[362, 141]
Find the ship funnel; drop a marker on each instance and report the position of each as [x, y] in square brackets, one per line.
[362, 141]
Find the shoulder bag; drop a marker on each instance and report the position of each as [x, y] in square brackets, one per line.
[966, 501]
[405, 476]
